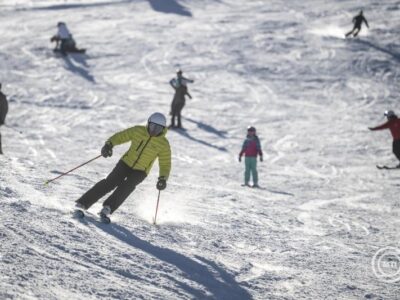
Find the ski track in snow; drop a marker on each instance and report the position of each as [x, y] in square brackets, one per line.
[284, 66]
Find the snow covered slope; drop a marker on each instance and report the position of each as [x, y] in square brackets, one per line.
[282, 66]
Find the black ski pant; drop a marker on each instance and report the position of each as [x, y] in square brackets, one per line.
[176, 113]
[355, 31]
[1, 151]
[396, 148]
[123, 178]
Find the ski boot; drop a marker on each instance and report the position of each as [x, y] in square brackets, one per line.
[104, 214]
[79, 211]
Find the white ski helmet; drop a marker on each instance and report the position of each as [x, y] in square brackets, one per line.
[158, 118]
[390, 114]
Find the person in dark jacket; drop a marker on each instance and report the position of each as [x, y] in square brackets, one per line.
[3, 112]
[357, 20]
[64, 41]
[393, 123]
[179, 84]
[251, 148]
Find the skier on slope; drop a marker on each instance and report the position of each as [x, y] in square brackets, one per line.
[147, 144]
[3, 112]
[251, 148]
[179, 84]
[64, 40]
[393, 123]
[357, 20]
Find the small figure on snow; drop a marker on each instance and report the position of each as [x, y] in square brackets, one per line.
[179, 84]
[3, 112]
[64, 40]
[393, 123]
[147, 144]
[251, 149]
[357, 20]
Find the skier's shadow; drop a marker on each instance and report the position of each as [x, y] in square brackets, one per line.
[78, 5]
[77, 69]
[208, 128]
[187, 135]
[170, 7]
[395, 55]
[204, 272]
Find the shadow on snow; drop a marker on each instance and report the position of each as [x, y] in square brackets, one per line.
[187, 135]
[164, 6]
[79, 5]
[208, 128]
[206, 273]
[170, 7]
[395, 55]
[75, 68]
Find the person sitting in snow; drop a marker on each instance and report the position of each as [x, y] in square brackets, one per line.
[147, 144]
[357, 20]
[3, 112]
[64, 40]
[179, 84]
[251, 149]
[393, 123]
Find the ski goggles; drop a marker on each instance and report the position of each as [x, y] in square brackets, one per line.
[155, 129]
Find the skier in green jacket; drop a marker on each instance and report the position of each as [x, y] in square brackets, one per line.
[147, 144]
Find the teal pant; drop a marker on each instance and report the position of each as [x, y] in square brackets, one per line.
[251, 167]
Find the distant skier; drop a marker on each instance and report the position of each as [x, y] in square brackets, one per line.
[393, 124]
[357, 20]
[64, 40]
[147, 144]
[251, 149]
[3, 112]
[179, 84]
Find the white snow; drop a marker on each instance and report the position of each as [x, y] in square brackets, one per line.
[282, 66]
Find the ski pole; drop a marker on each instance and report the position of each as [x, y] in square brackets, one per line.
[63, 174]
[158, 201]
[13, 128]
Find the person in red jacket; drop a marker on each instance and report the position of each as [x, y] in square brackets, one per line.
[393, 123]
[251, 148]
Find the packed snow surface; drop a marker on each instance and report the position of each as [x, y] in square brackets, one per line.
[282, 66]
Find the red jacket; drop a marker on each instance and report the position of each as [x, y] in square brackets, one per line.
[393, 125]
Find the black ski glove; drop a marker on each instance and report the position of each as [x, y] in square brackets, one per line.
[240, 158]
[106, 151]
[261, 158]
[161, 183]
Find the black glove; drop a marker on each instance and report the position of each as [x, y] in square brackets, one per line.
[240, 158]
[106, 151]
[161, 183]
[261, 158]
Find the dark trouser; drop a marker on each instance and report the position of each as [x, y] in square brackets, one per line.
[396, 148]
[354, 31]
[123, 178]
[1, 151]
[67, 45]
[176, 113]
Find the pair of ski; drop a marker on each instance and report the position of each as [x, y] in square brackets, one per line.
[252, 186]
[80, 214]
[383, 167]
